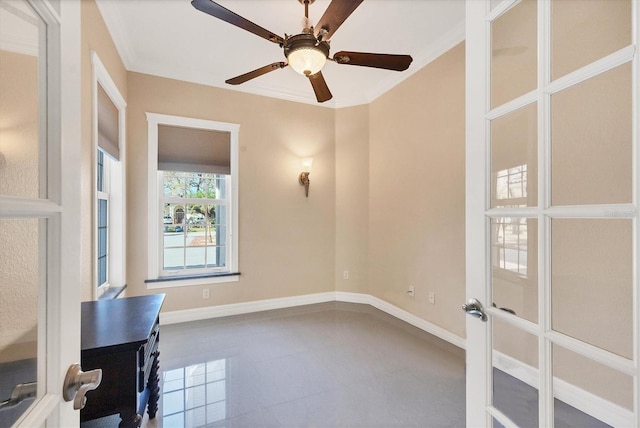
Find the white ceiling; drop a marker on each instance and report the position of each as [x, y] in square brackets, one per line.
[170, 38]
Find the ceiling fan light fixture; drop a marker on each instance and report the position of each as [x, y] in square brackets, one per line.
[305, 54]
[307, 60]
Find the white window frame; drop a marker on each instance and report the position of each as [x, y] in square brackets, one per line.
[184, 201]
[114, 184]
[155, 278]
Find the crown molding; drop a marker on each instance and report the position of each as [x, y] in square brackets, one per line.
[446, 42]
[112, 19]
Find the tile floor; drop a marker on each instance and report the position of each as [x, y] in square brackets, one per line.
[326, 365]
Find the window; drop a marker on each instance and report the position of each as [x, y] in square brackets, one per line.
[109, 203]
[103, 221]
[194, 222]
[509, 235]
[511, 187]
[510, 244]
[193, 185]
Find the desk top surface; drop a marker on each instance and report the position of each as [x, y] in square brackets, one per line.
[125, 322]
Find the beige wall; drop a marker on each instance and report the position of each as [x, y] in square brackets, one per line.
[286, 241]
[94, 37]
[352, 199]
[359, 197]
[416, 187]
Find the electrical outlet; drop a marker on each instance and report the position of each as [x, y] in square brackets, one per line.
[432, 297]
[205, 293]
[345, 274]
[411, 291]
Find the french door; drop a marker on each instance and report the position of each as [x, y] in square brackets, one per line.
[39, 209]
[553, 229]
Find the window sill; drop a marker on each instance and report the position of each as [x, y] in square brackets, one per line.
[186, 280]
[112, 293]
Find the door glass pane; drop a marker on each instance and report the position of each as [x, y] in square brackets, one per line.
[21, 273]
[514, 159]
[22, 157]
[514, 266]
[591, 282]
[591, 153]
[585, 31]
[515, 371]
[514, 53]
[589, 394]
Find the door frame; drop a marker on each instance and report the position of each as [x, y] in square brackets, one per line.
[59, 312]
[478, 342]
[476, 73]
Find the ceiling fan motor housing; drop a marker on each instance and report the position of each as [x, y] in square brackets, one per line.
[305, 41]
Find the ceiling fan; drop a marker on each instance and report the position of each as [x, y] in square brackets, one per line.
[308, 51]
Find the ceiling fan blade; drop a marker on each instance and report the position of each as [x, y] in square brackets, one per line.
[320, 87]
[337, 12]
[386, 61]
[214, 9]
[255, 73]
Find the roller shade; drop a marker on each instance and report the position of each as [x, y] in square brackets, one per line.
[193, 150]
[108, 125]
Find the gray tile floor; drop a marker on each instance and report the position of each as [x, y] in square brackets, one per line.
[326, 365]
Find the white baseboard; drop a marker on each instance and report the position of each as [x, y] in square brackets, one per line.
[402, 315]
[599, 408]
[196, 314]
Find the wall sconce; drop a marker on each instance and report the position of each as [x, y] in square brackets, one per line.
[304, 175]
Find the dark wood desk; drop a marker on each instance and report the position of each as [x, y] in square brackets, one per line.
[121, 337]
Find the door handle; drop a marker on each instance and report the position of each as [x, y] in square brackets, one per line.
[21, 392]
[77, 383]
[474, 308]
[511, 311]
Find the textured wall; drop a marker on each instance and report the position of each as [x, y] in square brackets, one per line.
[19, 176]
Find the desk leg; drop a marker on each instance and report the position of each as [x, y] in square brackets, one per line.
[130, 421]
[154, 386]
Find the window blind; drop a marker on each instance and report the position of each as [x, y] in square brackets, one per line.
[193, 150]
[108, 125]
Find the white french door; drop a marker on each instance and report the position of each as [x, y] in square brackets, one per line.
[39, 209]
[553, 228]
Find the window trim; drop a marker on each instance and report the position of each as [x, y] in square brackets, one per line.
[155, 280]
[116, 266]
